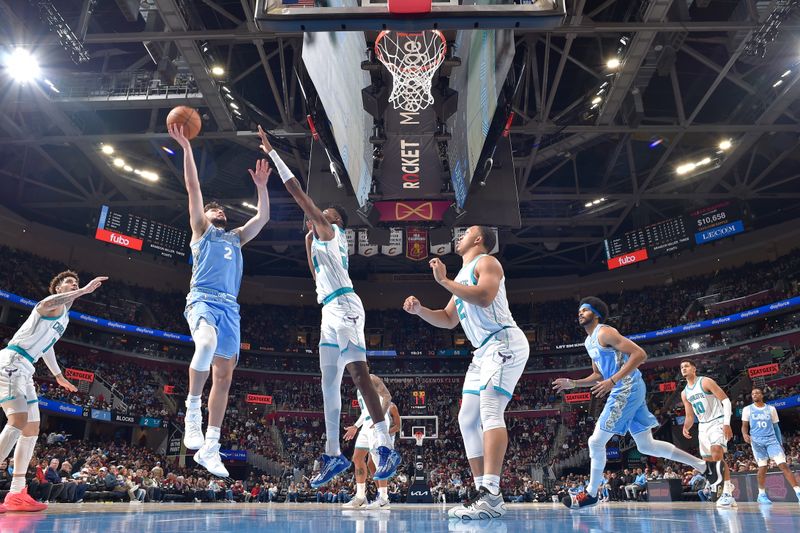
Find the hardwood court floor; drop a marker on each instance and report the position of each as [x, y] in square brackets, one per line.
[323, 518]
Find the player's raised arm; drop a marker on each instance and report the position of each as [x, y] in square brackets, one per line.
[197, 219]
[489, 273]
[322, 227]
[54, 302]
[446, 318]
[253, 226]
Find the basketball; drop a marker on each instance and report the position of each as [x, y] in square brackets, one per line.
[187, 117]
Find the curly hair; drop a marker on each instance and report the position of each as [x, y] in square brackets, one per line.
[61, 276]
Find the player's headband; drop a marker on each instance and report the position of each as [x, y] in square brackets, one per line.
[592, 309]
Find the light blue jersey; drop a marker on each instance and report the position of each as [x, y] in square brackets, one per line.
[608, 360]
[217, 263]
[761, 421]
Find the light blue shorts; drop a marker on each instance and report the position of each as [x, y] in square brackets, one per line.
[626, 409]
[223, 315]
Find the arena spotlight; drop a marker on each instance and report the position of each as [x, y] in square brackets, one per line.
[119, 162]
[216, 70]
[695, 346]
[107, 149]
[613, 63]
[725, 144]
[22, 65]
[170, 151]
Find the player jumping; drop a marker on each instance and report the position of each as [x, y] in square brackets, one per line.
[342, 344]
[211, 307]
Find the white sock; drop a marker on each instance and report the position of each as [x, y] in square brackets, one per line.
[361, 490]
[727, 488]
[17, 484]
[478, 482]
[8, 438]
[492, 483]
[212, 435]
[193, 404]
[764, 491]
[383, 492]
[22, 456]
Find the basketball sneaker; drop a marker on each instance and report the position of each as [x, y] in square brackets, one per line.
[581, 500]
[380, 504]
[356, 503]
[388, 461]
[764, 499]
[713, 474]
[331, 466]
[193, 437]
[484, 507]
[22, 502]
[208, 457]
[726, 501]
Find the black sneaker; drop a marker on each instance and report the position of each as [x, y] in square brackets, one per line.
[713, 475]
[581, 500]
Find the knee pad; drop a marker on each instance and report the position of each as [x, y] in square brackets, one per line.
[645, 443]
[205, 343]
[469, 422]
[493, 405]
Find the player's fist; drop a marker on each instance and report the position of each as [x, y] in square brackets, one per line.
[747, 438]
[439, 270]
[687, 432]
[728, 432]
[412, 305]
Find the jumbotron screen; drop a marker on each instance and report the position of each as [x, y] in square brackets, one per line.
[142, 234]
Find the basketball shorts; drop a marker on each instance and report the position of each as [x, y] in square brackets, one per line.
[764, 451]
[367, 440]
[626, 409]
[498, 364]
[711, 434]
[220, 313]
[343, 329]
[17, 391]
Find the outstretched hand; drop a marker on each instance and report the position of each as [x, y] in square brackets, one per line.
[261, 174]
[265, 145]
[176, 132]
[93, 285]
[64, 382]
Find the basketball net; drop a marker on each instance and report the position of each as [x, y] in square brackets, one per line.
[419, 437]
[412, 59]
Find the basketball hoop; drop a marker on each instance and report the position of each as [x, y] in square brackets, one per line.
[412, 60]
[419, 436]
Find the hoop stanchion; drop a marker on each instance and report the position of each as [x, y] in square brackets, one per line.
[412, 59]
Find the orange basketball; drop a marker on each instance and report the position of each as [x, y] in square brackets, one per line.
[188, 118]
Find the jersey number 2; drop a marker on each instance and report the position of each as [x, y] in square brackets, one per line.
[228, 253]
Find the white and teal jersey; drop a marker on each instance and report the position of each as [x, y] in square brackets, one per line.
[705, 405]
[38, 334]
[330, 262]
[480, 324]
[761, 421]
[364, 415]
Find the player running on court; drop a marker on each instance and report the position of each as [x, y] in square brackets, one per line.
[363, 459]
[501, 350]
[615, 373]
[342, 344]
[712, 407]
[33, 341]
[211, 307]
[760, 428]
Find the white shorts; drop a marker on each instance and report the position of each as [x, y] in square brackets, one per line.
[367, 440]
[498, 364]
[343, 329]
[711, 434]
[17, 391]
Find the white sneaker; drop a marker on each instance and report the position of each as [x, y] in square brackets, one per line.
[208, 457]
[486, 506]
[379, 503]
[356, 503]
[727, 501]
[193, 437]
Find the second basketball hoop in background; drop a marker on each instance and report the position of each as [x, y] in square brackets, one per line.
[412, 59]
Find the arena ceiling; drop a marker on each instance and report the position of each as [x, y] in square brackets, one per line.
[694, 73]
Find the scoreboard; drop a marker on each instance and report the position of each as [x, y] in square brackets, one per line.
[141, 234]
[678, 233]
